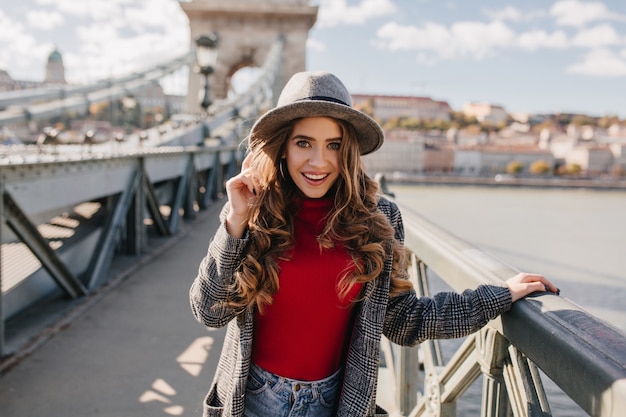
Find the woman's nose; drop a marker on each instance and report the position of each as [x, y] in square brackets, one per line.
[317, 158]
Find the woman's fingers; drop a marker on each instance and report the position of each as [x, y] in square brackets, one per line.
[241, 189]
[524, 283]
[245, 179]
[539, 279]
[246, 162]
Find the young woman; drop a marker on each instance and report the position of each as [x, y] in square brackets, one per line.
[306, 268]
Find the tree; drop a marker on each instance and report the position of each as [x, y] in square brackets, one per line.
[460, 120]
[514, 167]
[583, 120]
[540, 167]
[606, 121]
[618, 171]
[549, 124]
[573, 169]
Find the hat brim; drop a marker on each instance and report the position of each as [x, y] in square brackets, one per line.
[369, 133]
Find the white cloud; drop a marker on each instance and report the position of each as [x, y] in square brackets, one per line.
[539, 38]
[601, 35]
[338, 12]
[143, 34]
[601, 63]
[396, 37]
[10, 28]
[578, 13]
[156, 14]
[96, 10]
[463, 39]
[107, 50]
[19, 49]
[478, 40]
[97, 39]
[315, 45]
[508, 13]
[513, 14]
[44, 20]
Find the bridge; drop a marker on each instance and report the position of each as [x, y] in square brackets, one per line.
[100, 242]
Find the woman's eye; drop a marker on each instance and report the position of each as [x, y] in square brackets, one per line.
[334, 145]
[302, 143]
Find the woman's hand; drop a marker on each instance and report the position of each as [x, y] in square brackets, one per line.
[523, 284]
[241, 189]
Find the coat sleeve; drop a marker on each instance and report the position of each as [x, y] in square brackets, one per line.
[211, 287]
[410, 319]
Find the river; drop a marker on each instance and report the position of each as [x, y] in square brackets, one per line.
[575, 237]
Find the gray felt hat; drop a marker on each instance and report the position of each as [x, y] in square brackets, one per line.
[309, 94]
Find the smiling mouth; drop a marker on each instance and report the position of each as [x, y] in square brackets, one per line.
[315, 177]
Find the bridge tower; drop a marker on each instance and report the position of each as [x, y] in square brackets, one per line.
[247, 30]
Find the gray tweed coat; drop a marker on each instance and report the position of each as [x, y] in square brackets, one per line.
[406, 320]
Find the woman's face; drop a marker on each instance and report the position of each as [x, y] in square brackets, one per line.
[312, 154]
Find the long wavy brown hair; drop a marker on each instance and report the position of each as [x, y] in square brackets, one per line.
[354, 222]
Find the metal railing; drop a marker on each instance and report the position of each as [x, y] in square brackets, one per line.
[63, 222]
[582, 355]
[67, 211]
[47, 102]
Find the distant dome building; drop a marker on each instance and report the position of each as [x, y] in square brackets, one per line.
[55, 71]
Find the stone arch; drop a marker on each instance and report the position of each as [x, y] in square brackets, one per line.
[247, 30]
[244, 63]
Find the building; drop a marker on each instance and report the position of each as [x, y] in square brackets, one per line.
[55, 71]
[55, 74]
[397, 156]
[490, 159]
[411, 152]
[485, 112]
[439, 158]
[383, 107]
[619, 153]
[591, 158]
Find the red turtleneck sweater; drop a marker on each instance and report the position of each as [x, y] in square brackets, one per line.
[302, 334]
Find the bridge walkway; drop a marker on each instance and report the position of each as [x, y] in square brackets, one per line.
[132, 349]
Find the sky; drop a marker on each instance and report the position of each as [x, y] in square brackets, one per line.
[536, 56]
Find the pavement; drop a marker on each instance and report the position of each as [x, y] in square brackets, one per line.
[133, 349]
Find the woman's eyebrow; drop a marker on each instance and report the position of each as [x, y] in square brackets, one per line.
[300, 136]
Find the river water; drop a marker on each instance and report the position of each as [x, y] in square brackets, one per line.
[574, 237]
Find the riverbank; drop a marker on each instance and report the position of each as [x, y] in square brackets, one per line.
[509, 181]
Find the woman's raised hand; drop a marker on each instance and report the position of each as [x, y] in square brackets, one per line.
[241, 189]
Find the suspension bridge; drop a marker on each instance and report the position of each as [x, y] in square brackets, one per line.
[100, 242]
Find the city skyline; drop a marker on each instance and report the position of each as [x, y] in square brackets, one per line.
[565, 56]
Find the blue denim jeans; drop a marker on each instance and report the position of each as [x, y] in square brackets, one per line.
[268, 394]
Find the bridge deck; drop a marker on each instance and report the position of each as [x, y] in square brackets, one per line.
[134, 349]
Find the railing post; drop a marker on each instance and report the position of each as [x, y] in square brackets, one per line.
[491, 347]
[407, 374]
[192, 190]
[2, 220]
[525, 389]
[432, 358]
[135, 234]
